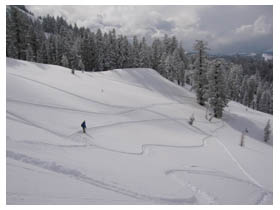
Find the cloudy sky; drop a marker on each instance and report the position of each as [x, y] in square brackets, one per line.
[228, 29]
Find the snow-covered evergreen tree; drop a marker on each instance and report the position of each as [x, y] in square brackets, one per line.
[81, 65]
[182, 66]
[178, 67]
[42, 53]
[135, 52]
[64, 61]
[156, 54]
[265, 102]
[99, 51]
[216, 92]
[234, 81]
[169, 67]
[251, 90]
[113, 49]
[29, 54]
[144, 54]
[267, 131]
[200, 72]
[74, 55]
[161, 67]
[51, 49]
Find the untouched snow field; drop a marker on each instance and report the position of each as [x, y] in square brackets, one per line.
[139, 147]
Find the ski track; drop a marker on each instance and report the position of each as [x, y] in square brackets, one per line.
[73, 173]
[234, 159]
[263, 193]
[144, 147]
[237, 163]
[263, 197]
[28, 122]
[201, 195]
[232, 156]
[212, 173]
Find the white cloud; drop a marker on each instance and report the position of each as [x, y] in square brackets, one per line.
[260, 27]
[222, 26]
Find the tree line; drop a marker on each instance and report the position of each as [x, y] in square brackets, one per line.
[52, 40]
[218, 80]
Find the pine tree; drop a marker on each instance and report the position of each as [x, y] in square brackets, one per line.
[216, 91]
[245, 100]
[11, 41]
[29, 54]
[85, 51]
[259, 95]
[64, 61]
[17, 33]
[156, 54]
[169, 67]
[42, 54]
[267, 131]
[135, 52]
[173, 45]
[251, 90]
[161, 67]
[243, 92]
[178, 67]
[59, 49]
[200, 71]
[113, 49]
[182, 66]
[265, 102]
[107, 52]
[234, 81]
[99, 51]
[81, 65]
[126, 51]
[74, 55]
[144, 58]
[51, 49]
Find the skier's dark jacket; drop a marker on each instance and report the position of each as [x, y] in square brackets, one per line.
[84, 124]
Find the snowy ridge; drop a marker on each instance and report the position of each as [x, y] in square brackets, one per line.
[139, 147]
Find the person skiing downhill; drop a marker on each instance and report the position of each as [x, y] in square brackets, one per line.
[84, 126]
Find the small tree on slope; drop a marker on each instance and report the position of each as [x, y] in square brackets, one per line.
[191, 120]
[267, 131]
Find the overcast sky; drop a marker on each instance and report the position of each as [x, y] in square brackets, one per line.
[227, 29]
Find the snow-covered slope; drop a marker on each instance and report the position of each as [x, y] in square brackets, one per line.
[139, 147]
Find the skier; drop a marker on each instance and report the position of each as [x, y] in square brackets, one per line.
[84, 126]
